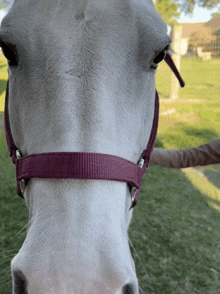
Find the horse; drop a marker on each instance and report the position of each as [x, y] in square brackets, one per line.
[81, 79]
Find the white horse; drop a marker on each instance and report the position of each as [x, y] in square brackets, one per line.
[81, 79]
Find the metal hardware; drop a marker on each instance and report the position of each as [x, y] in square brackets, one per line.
[22, 185]
[133, 193]
[18, 154]
[134, 189]
[141, 163]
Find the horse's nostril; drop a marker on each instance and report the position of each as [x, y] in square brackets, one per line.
[19, 283]
[128, 289]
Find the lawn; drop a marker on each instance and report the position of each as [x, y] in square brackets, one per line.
[201, 79]
[175, 232]
[3, 79]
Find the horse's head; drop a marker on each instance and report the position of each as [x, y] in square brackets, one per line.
[81, 78]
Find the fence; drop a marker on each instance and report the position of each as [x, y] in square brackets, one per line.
[193, 40]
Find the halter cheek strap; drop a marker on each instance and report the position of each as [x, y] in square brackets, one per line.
[83, 165]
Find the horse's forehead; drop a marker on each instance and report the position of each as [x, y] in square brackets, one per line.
[40, 12]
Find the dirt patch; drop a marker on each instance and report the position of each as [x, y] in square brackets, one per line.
[215, 62]
[187, 117]
[179, 101]
[190, 117]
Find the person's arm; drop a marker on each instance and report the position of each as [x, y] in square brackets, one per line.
[203, 155]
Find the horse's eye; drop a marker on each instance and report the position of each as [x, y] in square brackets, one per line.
[160, 57]
[10, 53]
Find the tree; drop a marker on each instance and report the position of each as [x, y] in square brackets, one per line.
[167, 10]
[200, 39]
[216, 14]
[3, 5]
[187, 6]
[171, 9]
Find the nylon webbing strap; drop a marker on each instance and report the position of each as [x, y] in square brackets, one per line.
[79, 165]
[148, 151]
[9, 139]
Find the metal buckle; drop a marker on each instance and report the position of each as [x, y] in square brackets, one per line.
[133, 194]
[22, 182]
[141, 163]
[18, 154]
[134, 189]
[22, 185]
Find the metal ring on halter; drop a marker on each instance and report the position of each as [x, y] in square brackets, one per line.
[18, 154]
[133, 194]
[22, 182]
[134, 189]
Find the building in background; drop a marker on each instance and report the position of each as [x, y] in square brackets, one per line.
[201, 39]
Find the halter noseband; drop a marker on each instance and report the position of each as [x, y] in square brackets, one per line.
[83, 165]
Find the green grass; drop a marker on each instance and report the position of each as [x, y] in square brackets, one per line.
[13, 215]
[176, 226]
[201, 79]
[175, 233]
[3, 79]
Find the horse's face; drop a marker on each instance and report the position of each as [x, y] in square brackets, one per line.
[81, 79]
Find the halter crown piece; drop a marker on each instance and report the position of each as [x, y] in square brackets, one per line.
[83, 165]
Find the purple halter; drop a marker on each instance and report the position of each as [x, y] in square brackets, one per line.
[83, 165]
